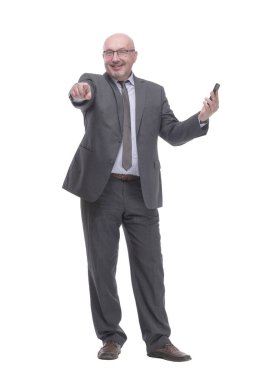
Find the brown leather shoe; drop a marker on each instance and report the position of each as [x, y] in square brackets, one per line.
[169, 352]
[109, 351]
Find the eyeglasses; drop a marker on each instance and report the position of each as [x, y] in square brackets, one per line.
[120, 53]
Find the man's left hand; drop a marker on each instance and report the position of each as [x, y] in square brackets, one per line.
[210, 106]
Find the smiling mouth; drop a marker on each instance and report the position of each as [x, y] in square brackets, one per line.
[116, 66]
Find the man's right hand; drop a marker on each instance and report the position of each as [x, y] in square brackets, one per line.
[81, 91]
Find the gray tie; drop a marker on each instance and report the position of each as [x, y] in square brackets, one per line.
[127, 142]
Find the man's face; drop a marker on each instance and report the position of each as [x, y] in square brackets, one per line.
[119, 66]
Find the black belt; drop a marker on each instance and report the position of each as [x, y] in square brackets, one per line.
[125, 177]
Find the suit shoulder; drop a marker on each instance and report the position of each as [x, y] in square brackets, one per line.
[91, 77]
[149, 83]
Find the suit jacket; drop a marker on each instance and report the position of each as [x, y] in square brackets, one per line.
[92, 163]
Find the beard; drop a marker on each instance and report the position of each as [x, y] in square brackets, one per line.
[119, 74]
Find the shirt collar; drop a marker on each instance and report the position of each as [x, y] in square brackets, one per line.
[130, 79]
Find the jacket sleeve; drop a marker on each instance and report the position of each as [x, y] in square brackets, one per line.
[179, 132]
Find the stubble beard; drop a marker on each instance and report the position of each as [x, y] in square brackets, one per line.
[117, 75]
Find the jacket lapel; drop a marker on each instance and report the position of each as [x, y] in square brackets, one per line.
[118, 99]
[140, 95]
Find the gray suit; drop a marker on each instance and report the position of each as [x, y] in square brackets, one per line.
[108, 203]
[103, 116]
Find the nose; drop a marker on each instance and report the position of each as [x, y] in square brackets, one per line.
[115, 57]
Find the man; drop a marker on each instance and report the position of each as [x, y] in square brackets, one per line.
[116, 173]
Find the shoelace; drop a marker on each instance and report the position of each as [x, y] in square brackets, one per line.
[170, 347]
[111, 343]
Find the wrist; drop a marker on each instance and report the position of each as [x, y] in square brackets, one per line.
[203, 121]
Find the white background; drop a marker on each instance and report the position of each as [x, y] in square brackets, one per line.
[206, 221]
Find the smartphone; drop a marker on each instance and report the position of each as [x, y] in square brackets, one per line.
[216, 88]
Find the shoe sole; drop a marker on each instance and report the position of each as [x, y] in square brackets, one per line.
[108, 357]
[166, 357]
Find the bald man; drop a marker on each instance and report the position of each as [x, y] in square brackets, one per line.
[116, 174]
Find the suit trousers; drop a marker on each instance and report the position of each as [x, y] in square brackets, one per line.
[122, 204]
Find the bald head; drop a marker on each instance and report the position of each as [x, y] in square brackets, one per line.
[119, 39]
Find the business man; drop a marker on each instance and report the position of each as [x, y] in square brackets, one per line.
[116, 173]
